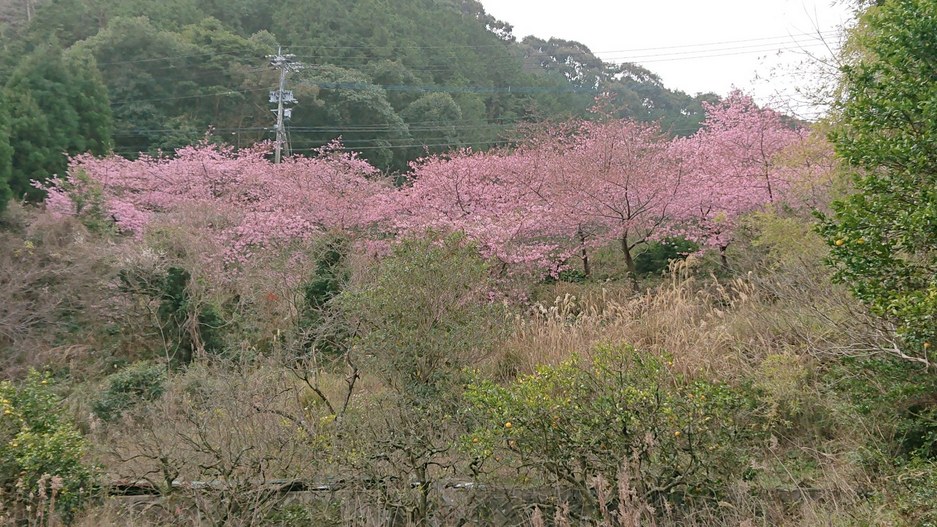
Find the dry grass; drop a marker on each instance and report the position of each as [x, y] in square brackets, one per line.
[719, 327]
[773, 325]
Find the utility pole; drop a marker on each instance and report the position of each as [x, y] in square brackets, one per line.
[282, 97]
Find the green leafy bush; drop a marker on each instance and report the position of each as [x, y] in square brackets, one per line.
[913, 491]
[424, 313]
[917, 430]
[187, 324]
[320, 322]
[41, 456]
[143, 381]
[884, 237]
[574, 276]
[586, 418]
[658, 255]
[898, 396]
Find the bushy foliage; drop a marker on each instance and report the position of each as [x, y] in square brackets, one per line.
[424, 313]
[685, 438]
[56, 285]
[135, 384]
[914, 491]
[658, 255]
[884, 237]
[900, 396]
[41, 462]
[242, 427]
[187, 325]
[322, 323]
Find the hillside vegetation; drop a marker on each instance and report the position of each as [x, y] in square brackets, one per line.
[609, 314]
[393, 79]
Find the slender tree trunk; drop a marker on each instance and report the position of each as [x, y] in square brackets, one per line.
[422, 514]
[629, 262]
[722, 257]
[586, 268]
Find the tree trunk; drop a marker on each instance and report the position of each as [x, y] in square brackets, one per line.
[586, 268]
[722, 257]
[422, 513]
[629, 262]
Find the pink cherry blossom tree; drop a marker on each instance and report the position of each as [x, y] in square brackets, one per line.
[734, 168]
[564, 191]
[243, 202]
[618, 183]
[490, 197]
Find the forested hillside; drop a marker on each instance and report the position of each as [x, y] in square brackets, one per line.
[392, 79]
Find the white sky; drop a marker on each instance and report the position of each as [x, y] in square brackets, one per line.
[693, 45]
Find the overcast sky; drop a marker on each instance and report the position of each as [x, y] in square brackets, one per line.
[695, 46]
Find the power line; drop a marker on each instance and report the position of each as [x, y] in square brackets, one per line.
[719, 55]
[761, 42]
[529, 60]
[170, 57]
[783, 38]
[535, 59]
[413, 127]
[508, 44]
[420, 145]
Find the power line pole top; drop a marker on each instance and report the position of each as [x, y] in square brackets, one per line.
[284, 63]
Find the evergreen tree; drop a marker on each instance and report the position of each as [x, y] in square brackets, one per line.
[6, 153]
[884, 237]
[58, 107]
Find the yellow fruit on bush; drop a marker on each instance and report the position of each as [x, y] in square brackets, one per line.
[508, 424]
[840, 242]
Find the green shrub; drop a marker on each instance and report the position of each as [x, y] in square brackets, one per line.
[143, 381]
[320, 322]
[585, 418]
[574, 276]
[41, 456]
[883, 238]
[186, 324]
[658, 255]
[898, 396]
[88, 198]
[917, 430]
[913, 491]
[424, 313]
[783, 382]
